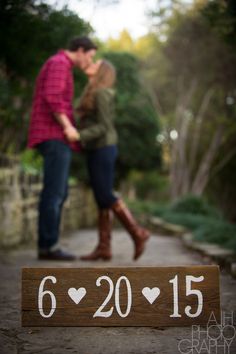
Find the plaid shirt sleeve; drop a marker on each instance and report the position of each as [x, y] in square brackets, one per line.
[54, 87]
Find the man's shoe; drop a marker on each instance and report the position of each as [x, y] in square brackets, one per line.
[56, 255]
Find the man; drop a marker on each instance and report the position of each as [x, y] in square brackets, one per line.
[52, 131]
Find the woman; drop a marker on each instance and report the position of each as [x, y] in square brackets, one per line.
[99, 140]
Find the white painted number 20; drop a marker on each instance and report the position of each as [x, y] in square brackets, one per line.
[99, 312]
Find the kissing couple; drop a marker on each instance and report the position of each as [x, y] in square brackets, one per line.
[54, 134]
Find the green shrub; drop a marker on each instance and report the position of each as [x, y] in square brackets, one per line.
[147, 207]
[152, 186]
[194, 205]
[31, 161]
[189, 220]
[231, 243]
[194, 213]
[149, 185]
[220, 232]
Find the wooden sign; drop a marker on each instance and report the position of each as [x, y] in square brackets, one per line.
[142, 296]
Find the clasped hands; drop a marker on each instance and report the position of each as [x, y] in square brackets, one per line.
[71, 133]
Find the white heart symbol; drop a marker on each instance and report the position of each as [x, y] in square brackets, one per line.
[151, 294]
[77, 295]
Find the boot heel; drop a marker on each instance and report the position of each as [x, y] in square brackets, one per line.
[106, 258]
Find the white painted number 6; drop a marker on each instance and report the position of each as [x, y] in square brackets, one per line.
[42, 293]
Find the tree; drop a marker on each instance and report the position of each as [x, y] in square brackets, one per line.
[29, 33]
[136, 118]
[193, 87]
[221, 16]
[140, 47]
[124, 43]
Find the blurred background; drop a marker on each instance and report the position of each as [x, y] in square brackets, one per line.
[175, 110]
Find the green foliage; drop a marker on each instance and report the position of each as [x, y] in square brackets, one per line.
[231, 243]
[221, 15]
[141, 47]
[192, 212]
[188, 220]
[127, 67]
[205, 228]
[79, 168]
[193, 205]
[124, 43]
[30, 31]
[140, 207]
[136, 121]
[149, 185]
[220, 232]
[198, 52]
[222, 189]
[136, 118]
[205, 222]
[31, 161]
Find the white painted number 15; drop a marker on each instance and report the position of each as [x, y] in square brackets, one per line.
[189, 291]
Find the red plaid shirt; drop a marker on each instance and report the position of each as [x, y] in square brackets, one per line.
[53, 94]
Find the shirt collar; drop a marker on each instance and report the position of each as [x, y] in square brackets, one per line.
[62, 52]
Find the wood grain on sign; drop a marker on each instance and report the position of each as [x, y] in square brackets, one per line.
[142, 296]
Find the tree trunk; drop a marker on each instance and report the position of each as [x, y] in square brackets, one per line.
[178, 147]
[186, 174]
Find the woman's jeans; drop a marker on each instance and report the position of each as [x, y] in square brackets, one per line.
[56, 158]
[101, 164]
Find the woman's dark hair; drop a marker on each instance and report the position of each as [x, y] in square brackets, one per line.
[81, 42]
[104, 78]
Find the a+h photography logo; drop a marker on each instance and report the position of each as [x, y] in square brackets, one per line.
[216, 338]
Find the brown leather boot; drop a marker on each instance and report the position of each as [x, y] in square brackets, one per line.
[138, 233]
[103, 249]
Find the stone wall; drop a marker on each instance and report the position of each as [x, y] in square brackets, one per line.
[19, 196]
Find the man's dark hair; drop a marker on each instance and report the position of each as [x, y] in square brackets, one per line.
[81, 42]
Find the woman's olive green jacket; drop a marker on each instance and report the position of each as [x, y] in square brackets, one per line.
[97, 127]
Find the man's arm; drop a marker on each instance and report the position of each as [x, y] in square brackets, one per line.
[69, 130]
[53, 93]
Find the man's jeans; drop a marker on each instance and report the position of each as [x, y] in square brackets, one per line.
[57, 158]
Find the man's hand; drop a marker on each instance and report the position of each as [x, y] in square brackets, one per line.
[69, 130]
[71, 134]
